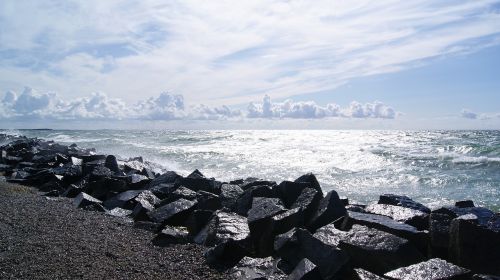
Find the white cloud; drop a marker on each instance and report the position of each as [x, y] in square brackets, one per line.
[228, 52]
[31, 104]
[466, 113]
[310, 110]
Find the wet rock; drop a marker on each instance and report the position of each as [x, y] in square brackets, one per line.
[171, 235]
[413, 217]
[119, 212]
[147, 196]
[52, 193]
[229, 194]
[356, 208]
[286, 221]
[123, 200]
[464, 204]
[72, 191]
[257, 268]
[485, 277]
[361, 274]
[147, 225]
[137, 181]
[305, 270]
[260, 223]
[224, 226]
[418, 238]
[199, 184]
[432, 269]
[84, 200]
[105, 188]
[208, 201]
[330, 209]
[371, 249]
[226, 254]
[148, 173]
[290, 191]
[198, 220]
[112, 164]
[76, 161]
[297, 244]
[196, 174]
[244, 202]
[474, 245]
[174, 213]
[162, 191]
[99, 172]
[181, 192]
[141, 210]
[311, 179]
[403, 201]
[252, 182]
[166, 178]
[308, 200]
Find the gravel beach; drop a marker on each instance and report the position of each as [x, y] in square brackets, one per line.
[47, 238]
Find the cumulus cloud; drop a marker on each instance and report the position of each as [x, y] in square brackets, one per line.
[31, 104]
[469, 114]
[311, 110]
[466, 113]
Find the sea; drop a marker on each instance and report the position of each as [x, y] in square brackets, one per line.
[432, 167]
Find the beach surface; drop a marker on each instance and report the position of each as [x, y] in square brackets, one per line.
[48, 238]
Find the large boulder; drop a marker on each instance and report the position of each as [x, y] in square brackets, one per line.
[174, 213]
[141, 210]
[208, 201]
[226, 254]
[330, 209]
[475, 245]
[88, 202]
[305, 270]
[260, 223]
[244, 202]
[290, 191]
[413, 217]
[180, 192]
[361, 274]
[297, 244]
[433, 269]
[308, 201]
[257, 268]
[198, 220]
[311, 180]
[403, 201]
[418, 238]
[229, 194]
[168, 177]
[224, 226]
[123, 200]
[171, 235]
[371, 249]
[112, 164]
[197, 182]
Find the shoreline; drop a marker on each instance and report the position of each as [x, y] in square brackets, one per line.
[270, 229]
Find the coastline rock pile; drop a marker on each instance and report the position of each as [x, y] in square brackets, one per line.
[258, 229]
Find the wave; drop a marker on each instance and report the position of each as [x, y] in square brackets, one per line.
[480, 159]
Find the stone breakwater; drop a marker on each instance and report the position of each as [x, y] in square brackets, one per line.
[258, 229]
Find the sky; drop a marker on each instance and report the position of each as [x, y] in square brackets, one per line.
[355, 64]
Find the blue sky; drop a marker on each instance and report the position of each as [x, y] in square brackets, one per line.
[252, 64]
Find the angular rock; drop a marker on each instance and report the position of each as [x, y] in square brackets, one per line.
[432, 269]
[371, 249]
[286, 221]
[196, 174]
[464, 204]
[123, 200]
[84, 200]
[148, 226]
[119, 212]
[199, 184]
[485, 277]
[147, 196]
[251, 182]
[162, 191]
[309, 201]
[174, 213]
[166, 178]
[229, 195]
[224, 226]
[180, 192]
[197, 221]
[137, 181]
[297, 244]
[141, 210]
[260, 223]
[290, 191]
[226, 254]
[257, 268]
[476, 246]
[311, 179]
[208, 201]
[418, 238]
[112, 164]
[171, 235]
[361, 274]
[244, 202]
[403, 201]
[305, 270]
[330, 209]
[413, 217]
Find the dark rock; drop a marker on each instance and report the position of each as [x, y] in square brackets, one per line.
[196, 174]
[257, 268]
[162, 191]
[330, 209]
[76, 161]
[89, 158]
[361, 274]
[199, 184]
[123, 200]
[208, 201]
[404, 201]
[224, 226]
[148, 173]
[112, 164]
[311, 179]
[413, 217]
[105, 188]
[52, 193]
[345, 201]
[464, 204]
[371, 249]
[99, 172]
[305, 270]
[358, 208]
[174, 213]
[229, 195]
[260, 223]
[252, 182]
[119, 212]
[418, 238]
[244, 202]
[141, 210]
[485, 277]
[309, 201]
[181, 192]
[167, 178]
[84, 200]
[432, 269]
[226, 254]
[72, 191]
[147, 196]
[290, 191]
[149, 226]
[286, 221]
[137, 181]
[474, 245]
[297, 244]
[198, 220]
[171, 235]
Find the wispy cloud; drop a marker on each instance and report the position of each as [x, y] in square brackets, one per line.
[228, 52]
[468, 114]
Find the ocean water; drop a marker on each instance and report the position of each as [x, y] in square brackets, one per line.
[433, 167]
